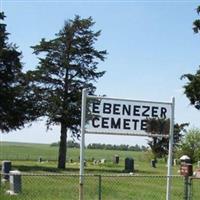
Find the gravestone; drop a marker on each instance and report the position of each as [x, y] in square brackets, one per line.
[175, 162]
[40, 159]
[6, 167]
[185, 159]
[153, 163]
[103, 161]
[15, 182]
[116, 159]
[129, 165]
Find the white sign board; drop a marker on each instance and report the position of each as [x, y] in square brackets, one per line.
[118, 116]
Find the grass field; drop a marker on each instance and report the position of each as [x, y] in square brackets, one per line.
[25, 157]
[24, 151]
[147, 183]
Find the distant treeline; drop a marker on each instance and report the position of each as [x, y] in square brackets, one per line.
[70, 144]
[121, 147]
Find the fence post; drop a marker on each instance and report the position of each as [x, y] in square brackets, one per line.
[190, 189]
[186, 178]
[100, 187]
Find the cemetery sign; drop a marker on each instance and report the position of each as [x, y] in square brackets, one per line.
[103, 115]
[123, 117]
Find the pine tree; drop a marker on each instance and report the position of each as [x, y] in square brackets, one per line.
[15, 107]
[192, 87]
[68, 63]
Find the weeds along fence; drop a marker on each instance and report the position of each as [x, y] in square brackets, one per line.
[97, 187]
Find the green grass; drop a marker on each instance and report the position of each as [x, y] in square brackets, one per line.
[147, 183]
[25, 158]
[113, 188]
[24, 151]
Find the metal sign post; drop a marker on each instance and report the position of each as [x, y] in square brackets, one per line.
[169, 165]
[82, 146]
[124, 117]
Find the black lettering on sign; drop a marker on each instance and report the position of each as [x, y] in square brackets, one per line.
[143, 125]
[116, 124]
[135, 121]
[104, 122]
[163, 112]
[126, 110]
[154, 111]
[107, 108]
[116, 110]
[136, 111]
[127, 124]
[145, 111]
[95, 122]
[95, 107]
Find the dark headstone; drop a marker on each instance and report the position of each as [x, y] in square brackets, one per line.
[153, 163]
[116, 159]
[40, 159]
[6, 167]
[129, 165]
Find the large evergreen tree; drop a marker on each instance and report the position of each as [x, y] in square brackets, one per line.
[15, 107]
[67, 64]
[192, 87]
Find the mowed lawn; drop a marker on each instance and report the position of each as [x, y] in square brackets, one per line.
[57, 187]
[43, 181]
[25, 156]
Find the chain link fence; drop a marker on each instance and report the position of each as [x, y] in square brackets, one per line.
[194, 188]
[97, 187]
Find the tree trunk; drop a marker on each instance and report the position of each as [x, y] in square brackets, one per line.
[62, 147]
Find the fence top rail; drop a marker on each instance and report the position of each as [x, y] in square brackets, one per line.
[98, 175]
[126, 134]
[196, 178]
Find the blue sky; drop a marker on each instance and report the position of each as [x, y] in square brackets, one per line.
[150, 45]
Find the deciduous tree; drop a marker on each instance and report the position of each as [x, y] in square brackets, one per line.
[190, 145]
